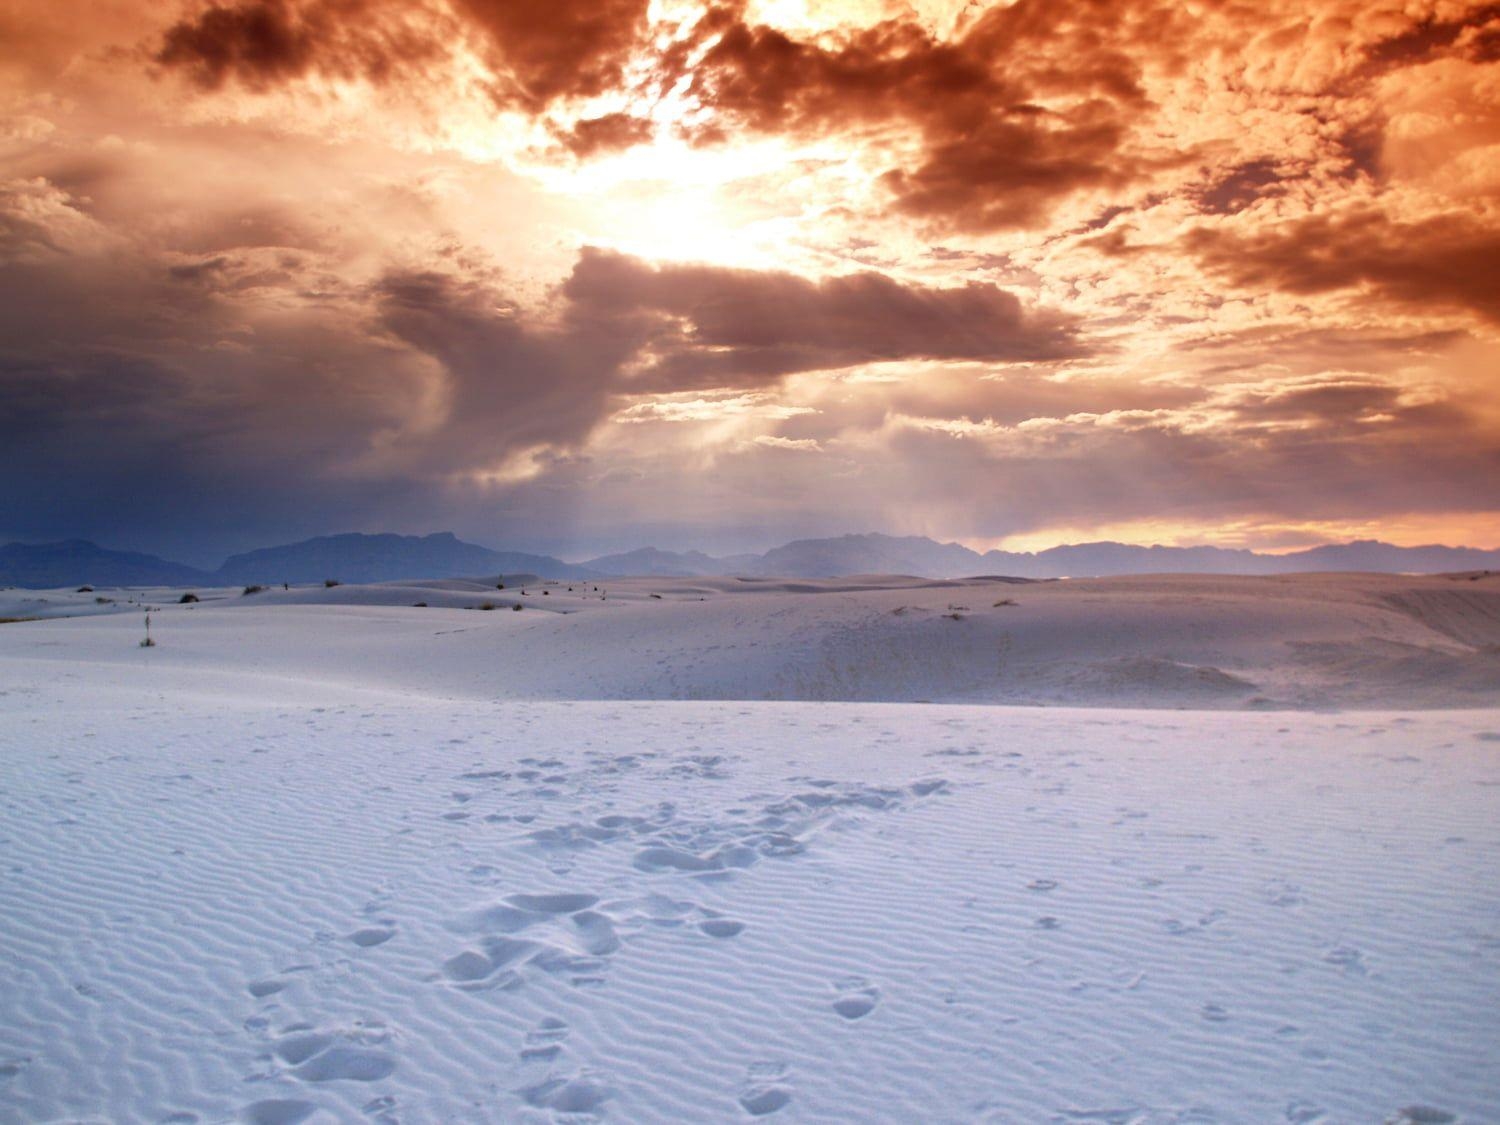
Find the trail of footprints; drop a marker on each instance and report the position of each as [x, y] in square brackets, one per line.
[667, 839]
[570, 936]
[309, 1053]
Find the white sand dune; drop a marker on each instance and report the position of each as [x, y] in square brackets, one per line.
[322, 856]
[1164, 641]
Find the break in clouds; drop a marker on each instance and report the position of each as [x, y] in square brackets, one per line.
[585, 275]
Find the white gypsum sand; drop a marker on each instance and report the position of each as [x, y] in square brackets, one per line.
[326, 856]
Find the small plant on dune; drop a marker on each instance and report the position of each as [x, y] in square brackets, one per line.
[251, 590]
[499, 585]
[187, 599]
[419, 605]
[330, 583]
[148, 642]
[101, 600]
[487, 605]
[516, 607]
[1005, 601]
[85, 589]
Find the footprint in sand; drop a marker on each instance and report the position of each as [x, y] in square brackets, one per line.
[764, 1090]
[482, 968]
[562, 903]
[721, 927]
[565, 937]
[1352, 961]
[277, 1111]
[1304, 1113]
[315, 1055]
[544, 1041]
[1420, 1115]
[856, 998]
[381, 1110]
[583, 1092]
[597, 932]
[371, 936]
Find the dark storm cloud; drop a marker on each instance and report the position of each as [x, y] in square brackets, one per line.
[710, 325]
[612, 132]
[263, 43]
[1475, 34]
[510, 384]
[558, 48]
[260, 391]
[1240, 187]
[537, 52]
[1448, 260]
[992, 155]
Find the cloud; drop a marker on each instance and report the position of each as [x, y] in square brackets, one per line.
[611, 132]
[1030, 103]
[804, 445]
[1194, 260]
[710, 325]
[1338, 447]
[272, 388]
[264, 43]
[692, 407]
[1446, 260]
[534, 53]
[557, 49]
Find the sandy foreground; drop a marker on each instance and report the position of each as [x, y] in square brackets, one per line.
[321, 855]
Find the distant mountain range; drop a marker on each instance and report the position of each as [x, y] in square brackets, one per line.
[347, 558]
[886, 554]
[73, 562]
[383, 558]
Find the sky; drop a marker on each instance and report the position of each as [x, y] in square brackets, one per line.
[588, 275]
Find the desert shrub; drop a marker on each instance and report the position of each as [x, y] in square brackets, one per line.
[85, 589]
[546, 593]
[186, 598]
[1005, 601]
[101, 600]
[488, 605]
[330, 583]
[251, 590]
[516, 607]
[419, 605]
[499, 585]
[656, 596]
